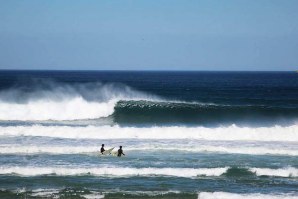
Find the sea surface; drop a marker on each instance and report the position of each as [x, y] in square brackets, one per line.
[184, 134]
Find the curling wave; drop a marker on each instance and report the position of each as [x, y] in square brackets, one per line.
[53, 101]
[166, 112]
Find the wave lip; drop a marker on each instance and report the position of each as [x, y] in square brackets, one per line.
[48, 100]
[226, 195]
[230, 133]
[41, 110]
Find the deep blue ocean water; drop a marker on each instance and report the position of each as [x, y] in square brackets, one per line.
[185, 134]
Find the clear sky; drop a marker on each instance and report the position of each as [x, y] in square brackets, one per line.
[149, 34]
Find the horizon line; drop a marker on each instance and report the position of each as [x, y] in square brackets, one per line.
[144, 70]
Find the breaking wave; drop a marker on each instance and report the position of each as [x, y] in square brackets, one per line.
[276, 133]
[52, 101]
[113, 172]
[127, 171]
[48, 100]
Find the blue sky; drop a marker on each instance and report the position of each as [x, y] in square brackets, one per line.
[149, 34]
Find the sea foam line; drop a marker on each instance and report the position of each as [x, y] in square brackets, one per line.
[233, 132]
[226, 195]
[114, 172]
[201, 149]
[127, 171]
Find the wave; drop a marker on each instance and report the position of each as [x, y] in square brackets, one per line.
[285, 172]
[53, 101]
[128, 172]
[72, 109]
[147, 111]
[49, 100]
[226, 195]
[95, 149]
[167, 112]
[112, 172]
[276, 133]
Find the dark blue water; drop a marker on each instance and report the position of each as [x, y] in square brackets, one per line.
[185, 134]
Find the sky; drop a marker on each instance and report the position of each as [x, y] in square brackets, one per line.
[208, 35]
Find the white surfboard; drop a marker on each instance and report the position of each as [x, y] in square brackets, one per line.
[107, 152]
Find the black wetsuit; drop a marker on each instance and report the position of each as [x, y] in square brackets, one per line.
[120, 152]
[102, 150]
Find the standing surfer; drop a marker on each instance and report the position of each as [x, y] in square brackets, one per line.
[120, 152]
[102, 149]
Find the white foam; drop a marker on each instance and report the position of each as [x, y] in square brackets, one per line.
[226, 195]
[93, 196]
[54, 193]
[276, 133]
[65, 102]
[29, 149]
[283, 172]
[113, 172]
[44, 192]
[127, 171]
[67, 109]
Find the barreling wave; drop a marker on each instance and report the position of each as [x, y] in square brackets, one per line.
[233, 132]
[289, 172]
[167, 112]
[48, 100]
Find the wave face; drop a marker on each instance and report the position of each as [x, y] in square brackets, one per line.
[158, 112]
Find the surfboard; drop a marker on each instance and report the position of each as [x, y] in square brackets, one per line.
[114, 153]
[107, 152]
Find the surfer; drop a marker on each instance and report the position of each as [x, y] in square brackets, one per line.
[102, 149]
[120, 152]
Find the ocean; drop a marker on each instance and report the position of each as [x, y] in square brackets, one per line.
[184, 134]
